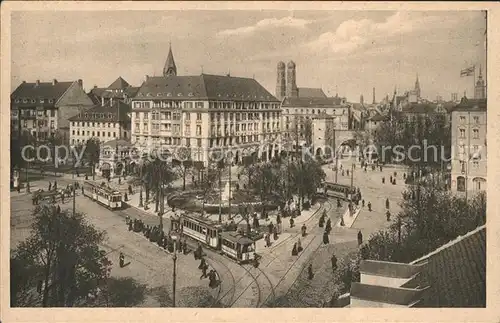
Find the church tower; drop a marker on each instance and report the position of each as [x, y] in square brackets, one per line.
[170, 69]
[281, 81]
[480, 89]
[291, 84]
[417, 88]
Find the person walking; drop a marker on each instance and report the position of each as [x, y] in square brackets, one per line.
[360, 238]
[328, 227]
[387, 204]
[204, 271]
[326, 239]
[50, 185]
[383, 180]
[303, 229]
[310, 274]
[370, 206]
[388, 215]
[291, 222]
[294, 250]
[334, 263]
[299, 246]
[363, 203]
[122, 260]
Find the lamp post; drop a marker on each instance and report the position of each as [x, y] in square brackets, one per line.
[174, 276]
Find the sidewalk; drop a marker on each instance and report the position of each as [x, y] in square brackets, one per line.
[349, 219]
[134, 199]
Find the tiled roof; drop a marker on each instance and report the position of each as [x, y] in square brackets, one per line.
[456, 272]
[204, 86]
[311, 92]
[106, 113]
[470, 105]
[389, 269]
[378, 117]
[117, 142]
[420, 108]
[98, 93]
[118, 84]
[42, 90]
[311, 102]
[388, 295]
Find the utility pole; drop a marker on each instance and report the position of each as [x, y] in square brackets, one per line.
[174, 278]
[230, 188]
[220, 166]
[335, 154]
[352, 176]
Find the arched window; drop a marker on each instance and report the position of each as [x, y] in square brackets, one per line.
[479, 184]
[461, 184]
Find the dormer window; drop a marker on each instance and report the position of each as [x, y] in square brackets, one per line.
[169, 94]
[148, 94]
[25, 100]
[190, 94]
[86, 115]
[179, 94]
[110, 115]
[17, 100]
[33, 101]
[158, 94]
[42, 100]
[51, 101]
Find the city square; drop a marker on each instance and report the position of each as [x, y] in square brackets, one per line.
[240, 188]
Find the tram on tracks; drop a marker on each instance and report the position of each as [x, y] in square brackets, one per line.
[339, 190]
[103, 195]
[210, 234]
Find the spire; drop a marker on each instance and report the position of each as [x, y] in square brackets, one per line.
[170, 68]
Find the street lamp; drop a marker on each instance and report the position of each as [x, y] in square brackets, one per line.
[174, 237]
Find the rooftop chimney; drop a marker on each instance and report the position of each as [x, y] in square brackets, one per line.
[95, 86]
[54, 82]
[80, 82]
[24, 82]
[37, 82]
[102, 101]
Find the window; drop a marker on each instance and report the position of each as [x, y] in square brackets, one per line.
[137, 115]
[137, 126]
[114, 134]
[462, 133]
[98, 134]
[93, 133]
[109, 134]
[78, 132]
[198, 142]
[187, 115]
[145, 126]
[199, 105]
[462, 119]
[146, 115]
[73, 132]
[475, 133]
[198, 116]
[52, 124]
[52, 113]
[169, 115]
[198, 130]
[476, 120]
[475, 164]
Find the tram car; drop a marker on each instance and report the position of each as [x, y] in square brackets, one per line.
[103, 195]
[339, 190]
[237, 247]
[203, 230]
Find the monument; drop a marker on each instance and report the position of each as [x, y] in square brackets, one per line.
[227, 192]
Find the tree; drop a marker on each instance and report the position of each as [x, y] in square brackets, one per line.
[208, 180]
[92, 152]
[183, 163]
[158, 175]
[54, 140]
[63, 254]
[307, 176]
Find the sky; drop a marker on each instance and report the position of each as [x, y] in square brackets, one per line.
[344, 52]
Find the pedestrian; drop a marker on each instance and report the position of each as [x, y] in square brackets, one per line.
[212, 279]
[82, 189]
[299, 246]
[275, 233]
[122, 260]
[303, 229]
[369, 206]
[380, 167]
[130, 189]
[270, 228]
[328, 227]
[58, 209]
[387, 203]
[62, 198]
[310, 274]
[334, 263]
[294, 250]
[50, 185]
[347, 172]
[388, 215]
[119, 180]
[184, 246]
[363, 203]
[291, 222]
[326, 239]
[55, 185]
[390, 178]
[365, 169]
[394, 182]
[395, 174]
[202, 263]
[204, 271]
[360, 238]
[404, 176]
[322, 221]
[383, 180]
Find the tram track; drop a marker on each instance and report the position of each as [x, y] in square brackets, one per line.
[299, 257]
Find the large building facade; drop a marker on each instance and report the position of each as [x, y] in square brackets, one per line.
[44, 108]
[469, 146]
[207, 114]
[103, 122]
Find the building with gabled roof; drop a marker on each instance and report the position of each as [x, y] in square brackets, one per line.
[453, 275]
[119, 90]
[43, 108]
[206, 113]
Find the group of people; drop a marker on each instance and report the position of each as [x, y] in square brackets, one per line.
[212, 274]
[155, 235]
[272, 229]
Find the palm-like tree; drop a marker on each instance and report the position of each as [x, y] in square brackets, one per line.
[157, 175]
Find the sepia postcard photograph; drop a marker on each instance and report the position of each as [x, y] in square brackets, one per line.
[241, 157]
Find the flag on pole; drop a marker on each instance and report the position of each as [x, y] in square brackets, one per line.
[467, 71]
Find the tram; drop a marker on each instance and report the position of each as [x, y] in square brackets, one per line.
[103, 195]
[202, 230]
[339, 190]
[238, 247]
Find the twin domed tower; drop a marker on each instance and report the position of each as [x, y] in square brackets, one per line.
[286, 84]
